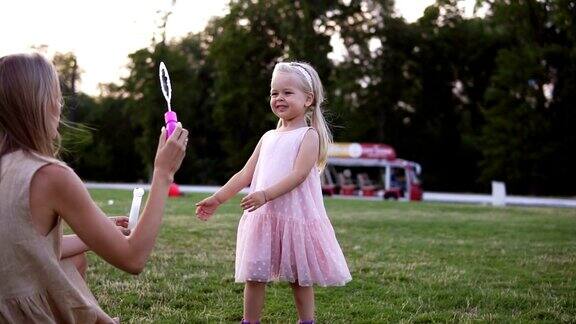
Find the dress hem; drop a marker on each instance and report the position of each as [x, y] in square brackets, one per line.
[280, 280]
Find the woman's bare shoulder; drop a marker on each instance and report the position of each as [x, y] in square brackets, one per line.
[54, 181]
[55, 175]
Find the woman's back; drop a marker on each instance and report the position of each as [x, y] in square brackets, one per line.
[36, 287]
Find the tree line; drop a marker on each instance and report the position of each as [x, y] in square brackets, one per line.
[471, 99]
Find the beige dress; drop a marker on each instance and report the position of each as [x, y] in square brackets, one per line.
[35, 285]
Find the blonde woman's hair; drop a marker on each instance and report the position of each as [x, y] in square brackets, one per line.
[29, 93]
[310, 83]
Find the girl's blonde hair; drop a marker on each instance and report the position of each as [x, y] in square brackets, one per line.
[29, 93]
[310, 83]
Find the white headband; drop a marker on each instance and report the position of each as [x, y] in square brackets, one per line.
[303, 72]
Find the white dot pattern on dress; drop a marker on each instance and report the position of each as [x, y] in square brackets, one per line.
[289, 238]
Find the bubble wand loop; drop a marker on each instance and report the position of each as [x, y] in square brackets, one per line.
[169, 117]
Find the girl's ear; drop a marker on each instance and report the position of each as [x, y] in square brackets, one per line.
[309, 100]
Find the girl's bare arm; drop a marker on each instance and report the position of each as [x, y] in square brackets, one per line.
[207, 207]
[240, 180]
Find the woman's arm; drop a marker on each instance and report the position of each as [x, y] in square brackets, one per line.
[62, 190]
[305, 161]
[72, 245]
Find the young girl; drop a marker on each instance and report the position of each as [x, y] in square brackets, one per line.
[285, 233]
[38, 266]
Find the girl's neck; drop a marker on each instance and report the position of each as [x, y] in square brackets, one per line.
[293, 123]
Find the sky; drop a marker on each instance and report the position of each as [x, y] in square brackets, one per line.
[102, 33]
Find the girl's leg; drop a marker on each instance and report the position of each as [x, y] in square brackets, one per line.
[254, 293]
[304, 300]
[81, 263]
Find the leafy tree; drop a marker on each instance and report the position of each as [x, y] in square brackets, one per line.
[191, 78]
[70, 76]
[418, 88]
[247, 43]
[528, 135]
[108, 153]
[446, 91]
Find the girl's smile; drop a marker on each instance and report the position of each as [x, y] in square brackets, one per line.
[287, 100]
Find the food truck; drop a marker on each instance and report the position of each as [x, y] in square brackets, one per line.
[370, 170]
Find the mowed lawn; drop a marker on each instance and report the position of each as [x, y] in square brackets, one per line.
[410, 262]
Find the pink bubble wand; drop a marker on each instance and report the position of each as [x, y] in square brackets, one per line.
[169, 117]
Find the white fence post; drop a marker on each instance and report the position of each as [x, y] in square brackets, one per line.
[498, 193]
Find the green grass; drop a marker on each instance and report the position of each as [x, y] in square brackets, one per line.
[410, 262]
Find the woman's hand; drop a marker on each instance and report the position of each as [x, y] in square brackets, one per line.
[171, 151]
[206, 208]
[121, 223]
[253, 201]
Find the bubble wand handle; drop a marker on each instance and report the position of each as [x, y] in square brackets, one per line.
[135, 208]
[171, 120]
[169, 117]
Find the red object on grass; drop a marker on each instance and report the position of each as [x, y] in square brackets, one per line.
[174, 190]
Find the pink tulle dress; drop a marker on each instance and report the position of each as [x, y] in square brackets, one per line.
[290, 238]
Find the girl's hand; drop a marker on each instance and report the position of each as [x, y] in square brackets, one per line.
[206, 208]
[121, 223]
[253, 201]
[171, 151]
